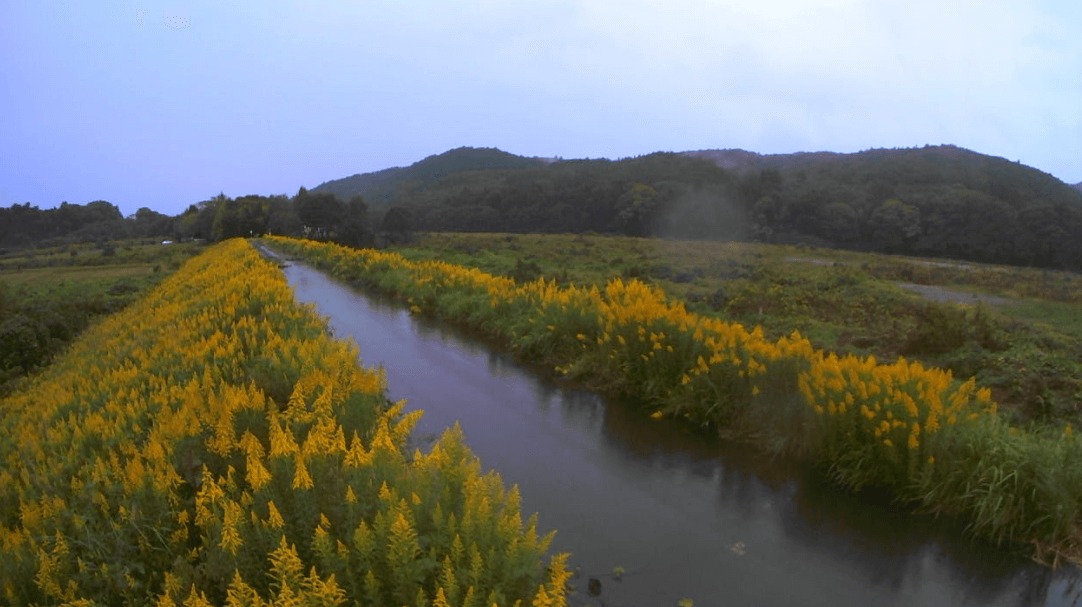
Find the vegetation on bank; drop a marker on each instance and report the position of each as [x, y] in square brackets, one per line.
[933, 440]
[1028, 349]
[211, 445]
[48, 296]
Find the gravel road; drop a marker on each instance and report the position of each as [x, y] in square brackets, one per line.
[930, 292]
[943, 295]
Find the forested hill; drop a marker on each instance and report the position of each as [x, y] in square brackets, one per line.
[930, 165]
[936, 201]
[939, 201]
[389, 185]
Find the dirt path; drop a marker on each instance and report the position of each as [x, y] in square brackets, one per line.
[944, 295]
[930, 292]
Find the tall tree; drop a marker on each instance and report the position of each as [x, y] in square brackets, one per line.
[895, 226]
[354, 230]
[397, 224]
[320, 212]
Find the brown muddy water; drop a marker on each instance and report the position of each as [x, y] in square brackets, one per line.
[686, 516]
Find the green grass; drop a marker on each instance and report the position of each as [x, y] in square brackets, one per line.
[49, 295]
[1028, 352]
[121, 252]
[1051, 315]
[53, 275]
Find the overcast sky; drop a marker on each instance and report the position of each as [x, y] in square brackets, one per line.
[144, 103]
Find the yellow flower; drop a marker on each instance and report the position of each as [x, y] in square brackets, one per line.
[933, 422]
[301, 478]
[231, 539]
[274, 518]
[256, 474]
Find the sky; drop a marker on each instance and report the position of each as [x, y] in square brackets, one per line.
[162, 105]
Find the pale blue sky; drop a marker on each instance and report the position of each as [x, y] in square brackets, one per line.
[146, 103]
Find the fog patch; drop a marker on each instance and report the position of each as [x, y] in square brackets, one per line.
[707, 213]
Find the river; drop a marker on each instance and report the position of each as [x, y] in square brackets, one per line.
[684, 515]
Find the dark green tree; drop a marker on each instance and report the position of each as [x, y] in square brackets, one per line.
[397, 224]
[895, 226]
[198, 220]
[282, 217]
[320, 212]
[152, 223]
[354, 230]
[840, 223]
[636, 207]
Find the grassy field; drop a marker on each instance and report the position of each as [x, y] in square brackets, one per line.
[119, 252]
[49, 295]
[1026, 350]
[95, 278]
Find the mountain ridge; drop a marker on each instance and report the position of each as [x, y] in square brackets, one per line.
[381, 187]
[399, 184]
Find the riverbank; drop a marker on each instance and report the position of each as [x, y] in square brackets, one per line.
[657, 510]
[934, 442]
[1025, 350]
[211, 444]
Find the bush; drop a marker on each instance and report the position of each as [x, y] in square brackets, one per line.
[943, 328]
[525, 271]
[939, 329]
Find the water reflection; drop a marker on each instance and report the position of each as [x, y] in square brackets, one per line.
[685, 515]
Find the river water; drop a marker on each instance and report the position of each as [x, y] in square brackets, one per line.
[684, 515]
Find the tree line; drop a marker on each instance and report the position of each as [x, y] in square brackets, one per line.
[318, 215]
[937, 201]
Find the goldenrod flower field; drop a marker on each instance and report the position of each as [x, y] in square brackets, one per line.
[211, 445]
[933, 440]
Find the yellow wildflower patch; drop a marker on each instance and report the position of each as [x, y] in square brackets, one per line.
[190, 426]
